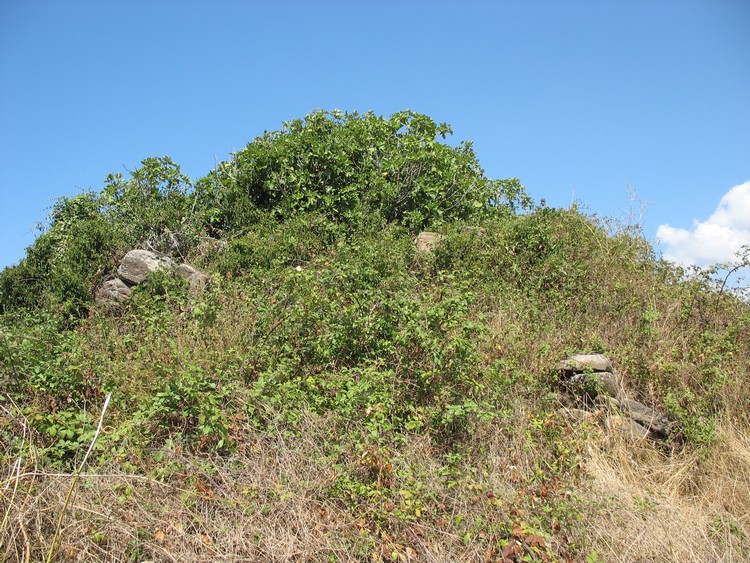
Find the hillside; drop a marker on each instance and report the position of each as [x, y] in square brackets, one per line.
[308, 376]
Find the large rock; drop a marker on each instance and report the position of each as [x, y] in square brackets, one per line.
[427, 241]
[112, 292]
[590, 382]
[581, 363]
[627, 427]
[137, 265]
[198, 280]
[594, 384]
[186, 271]
[647, 417]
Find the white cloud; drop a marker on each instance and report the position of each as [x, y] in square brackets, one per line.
[716, 239]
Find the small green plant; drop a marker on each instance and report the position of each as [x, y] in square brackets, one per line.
[190, 403]
[64, 433]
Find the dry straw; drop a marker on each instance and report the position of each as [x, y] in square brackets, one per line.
[75, 480]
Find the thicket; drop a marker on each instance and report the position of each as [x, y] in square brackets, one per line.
[349, 168]
[336, 394]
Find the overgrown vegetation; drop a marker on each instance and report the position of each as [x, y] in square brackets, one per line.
[338, 396]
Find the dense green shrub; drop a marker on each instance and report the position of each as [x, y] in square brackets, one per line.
[62, 266]
[269, 244]
[88, 232]
[349, 165]
[156, 206]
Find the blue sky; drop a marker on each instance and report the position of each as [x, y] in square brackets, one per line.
[589, 101]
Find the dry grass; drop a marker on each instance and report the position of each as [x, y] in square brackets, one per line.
[676, 506]
[263, 505]
[270, 502]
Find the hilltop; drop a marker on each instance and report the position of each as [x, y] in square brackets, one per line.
[352, 348]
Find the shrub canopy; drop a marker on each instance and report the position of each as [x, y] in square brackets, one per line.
[348, 166]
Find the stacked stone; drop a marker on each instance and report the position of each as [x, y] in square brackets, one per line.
[590, 381]
[135, 267]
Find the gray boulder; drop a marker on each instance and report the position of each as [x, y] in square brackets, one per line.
[137, 265]
[593, 385]
[590, 382]
[581, 363]
[198, 280]
[647, 417]
[588, 376]
[626, 427]
[112, 292]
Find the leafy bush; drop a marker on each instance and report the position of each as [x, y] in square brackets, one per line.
[86, 234]
[63, 265]
[269, 244]
[191, 405]
[348, 166]
[155, 207]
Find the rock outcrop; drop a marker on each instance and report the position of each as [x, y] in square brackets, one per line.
[590, 383]
[647, 417]
[625, 426]
[589, 376]
[585, 362]
[112, 293]
[197, 279]
[136, 266]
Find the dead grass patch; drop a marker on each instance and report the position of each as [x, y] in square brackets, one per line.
[677, 506]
